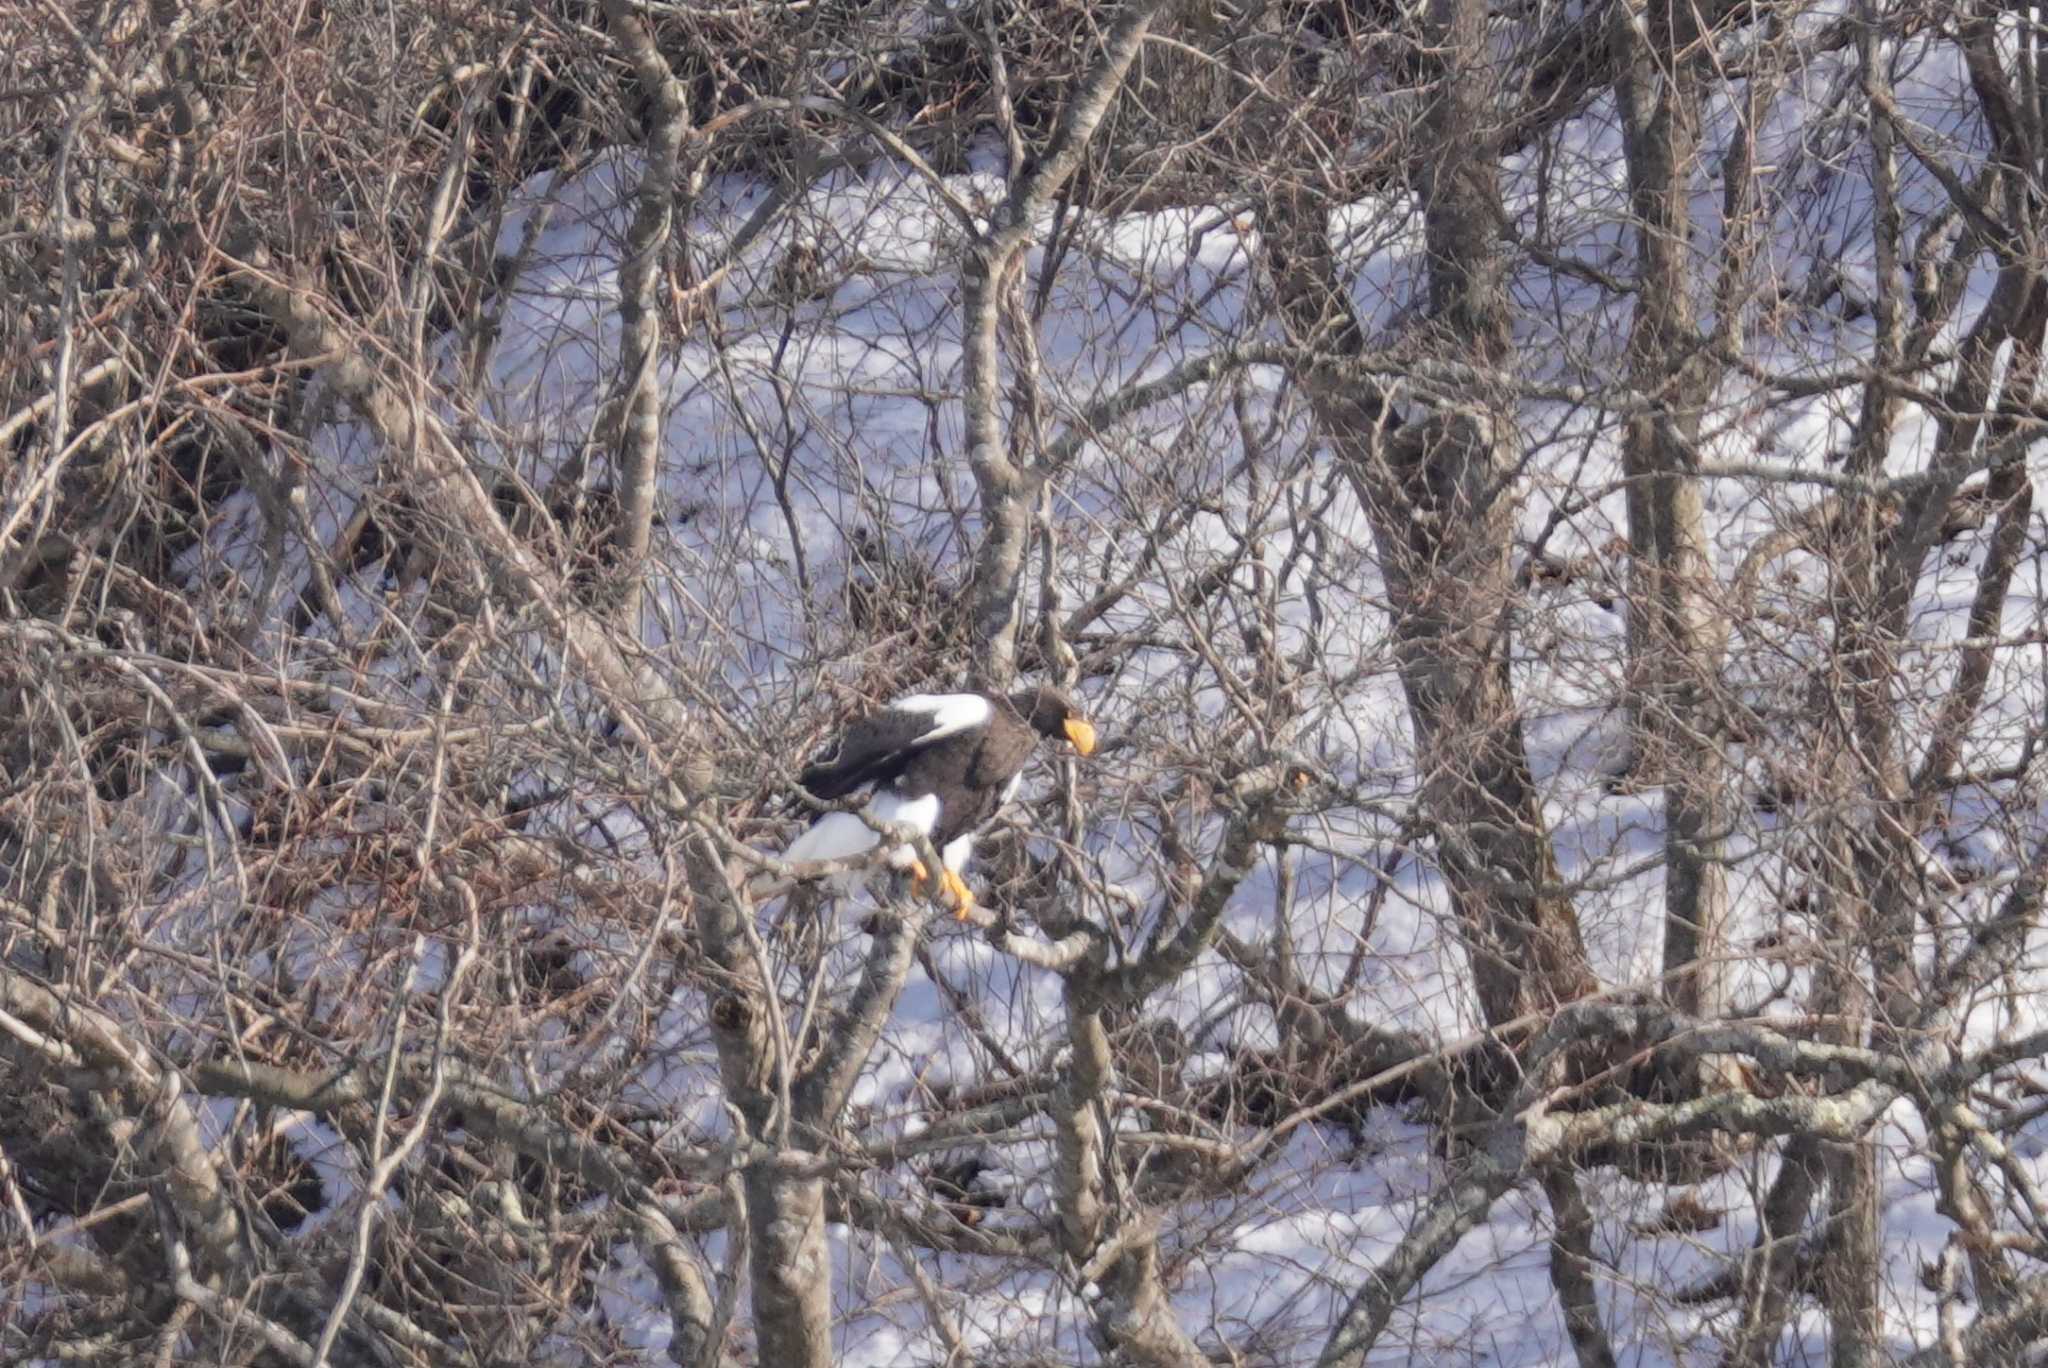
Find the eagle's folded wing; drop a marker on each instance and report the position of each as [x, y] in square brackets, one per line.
[876, 749]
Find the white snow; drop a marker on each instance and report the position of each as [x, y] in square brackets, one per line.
[794, 429]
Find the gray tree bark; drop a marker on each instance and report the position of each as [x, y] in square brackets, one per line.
[1677, 626]
[635, 412]
[1006, 475]
[1438, 491]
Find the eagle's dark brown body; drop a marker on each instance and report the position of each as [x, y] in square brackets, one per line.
[943, 764]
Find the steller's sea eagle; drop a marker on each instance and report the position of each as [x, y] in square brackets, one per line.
[940, 763]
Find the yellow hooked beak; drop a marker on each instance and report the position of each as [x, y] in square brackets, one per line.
[1081, 734]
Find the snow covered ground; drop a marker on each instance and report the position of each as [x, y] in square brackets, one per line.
[814, 447]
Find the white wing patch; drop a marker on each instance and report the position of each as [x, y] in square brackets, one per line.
[950, 713]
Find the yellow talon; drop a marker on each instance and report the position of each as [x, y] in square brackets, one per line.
[951, 889]
[957, 892]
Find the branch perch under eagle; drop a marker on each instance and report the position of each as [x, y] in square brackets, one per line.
[940, 764]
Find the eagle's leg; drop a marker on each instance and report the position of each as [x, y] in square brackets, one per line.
[952, 889]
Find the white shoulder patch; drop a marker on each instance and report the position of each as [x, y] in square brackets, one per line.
[950, 713]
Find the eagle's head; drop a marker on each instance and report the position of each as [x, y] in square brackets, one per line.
[1054, 714]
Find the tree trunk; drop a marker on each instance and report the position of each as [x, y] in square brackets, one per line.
[789, 1267]
[1676, 628]
[1437, 493]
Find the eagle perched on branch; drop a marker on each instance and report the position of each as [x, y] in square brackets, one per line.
[942, 764]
